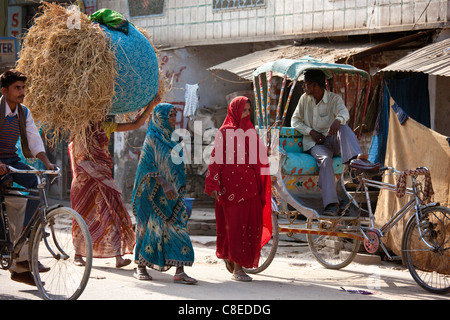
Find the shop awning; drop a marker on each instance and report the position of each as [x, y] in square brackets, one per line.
[245, 65]
[433, 59]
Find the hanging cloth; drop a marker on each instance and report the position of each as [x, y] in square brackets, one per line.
[191, 100]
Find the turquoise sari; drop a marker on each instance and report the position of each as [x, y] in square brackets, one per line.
[162, 240]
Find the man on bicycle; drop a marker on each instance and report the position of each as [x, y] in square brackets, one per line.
[321, 118]
[16, 122]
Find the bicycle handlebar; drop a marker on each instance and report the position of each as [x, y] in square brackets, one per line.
[398, 171]
[52, 172]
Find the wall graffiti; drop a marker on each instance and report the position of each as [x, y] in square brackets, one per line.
[171, 75]
[237, 4]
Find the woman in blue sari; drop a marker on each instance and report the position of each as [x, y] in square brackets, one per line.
[162, 240]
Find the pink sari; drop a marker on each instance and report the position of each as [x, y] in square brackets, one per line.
[97, 199]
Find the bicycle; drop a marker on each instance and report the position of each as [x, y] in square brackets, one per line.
[426, 237]
[49, 237]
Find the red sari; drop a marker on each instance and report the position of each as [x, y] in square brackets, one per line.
[238, 171]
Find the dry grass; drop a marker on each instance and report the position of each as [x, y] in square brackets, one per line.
[71, 73]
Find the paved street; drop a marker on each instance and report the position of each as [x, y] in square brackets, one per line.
[293, 275]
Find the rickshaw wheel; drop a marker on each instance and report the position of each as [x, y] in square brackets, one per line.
[269, 250]
[332, 252]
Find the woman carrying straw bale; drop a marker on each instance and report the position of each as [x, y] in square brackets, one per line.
[82, 69]
[95, 196]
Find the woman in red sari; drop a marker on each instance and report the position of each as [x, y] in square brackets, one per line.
[239, 181]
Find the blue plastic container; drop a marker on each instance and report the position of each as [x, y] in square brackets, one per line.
[189, 202]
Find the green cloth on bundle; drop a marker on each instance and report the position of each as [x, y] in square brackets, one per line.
[110, 19]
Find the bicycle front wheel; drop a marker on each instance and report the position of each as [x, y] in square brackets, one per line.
[53, 251]
[426, 249]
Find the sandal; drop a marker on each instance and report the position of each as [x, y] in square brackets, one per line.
[183, 278]
[241, 277]
[229, 265]
[142, 274]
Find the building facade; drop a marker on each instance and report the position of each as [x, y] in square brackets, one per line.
[206, 22]
[194, 35]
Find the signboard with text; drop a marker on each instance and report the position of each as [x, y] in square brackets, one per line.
[8, 51]
[14, 21]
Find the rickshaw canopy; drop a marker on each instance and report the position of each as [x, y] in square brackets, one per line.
[293, 69]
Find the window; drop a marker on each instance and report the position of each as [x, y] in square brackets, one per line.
[237, 4]
[140, 8]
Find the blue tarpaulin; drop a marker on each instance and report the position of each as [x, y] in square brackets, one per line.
[412, 99]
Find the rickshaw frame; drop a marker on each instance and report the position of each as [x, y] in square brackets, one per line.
[426, 228]
[293, 70]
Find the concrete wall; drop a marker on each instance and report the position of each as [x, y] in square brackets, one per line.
[196, 22]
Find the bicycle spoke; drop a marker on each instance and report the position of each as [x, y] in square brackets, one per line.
[56, 250]
[332, 252]
[429, 266]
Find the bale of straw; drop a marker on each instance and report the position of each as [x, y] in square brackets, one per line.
[71, 72]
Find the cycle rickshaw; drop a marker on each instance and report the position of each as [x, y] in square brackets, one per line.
[48, 237]
[335, 241]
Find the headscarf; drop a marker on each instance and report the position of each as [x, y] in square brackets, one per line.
[228, 155]
[237, 131]
[165, 150]
[234, 113]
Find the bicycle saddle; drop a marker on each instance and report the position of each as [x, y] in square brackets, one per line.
[365, 165]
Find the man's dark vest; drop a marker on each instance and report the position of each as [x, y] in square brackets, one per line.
[22, 125]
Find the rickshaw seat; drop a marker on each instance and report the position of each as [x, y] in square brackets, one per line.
[297, 162]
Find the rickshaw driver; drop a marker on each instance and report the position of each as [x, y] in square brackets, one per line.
[16, 121]
[321, 117]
